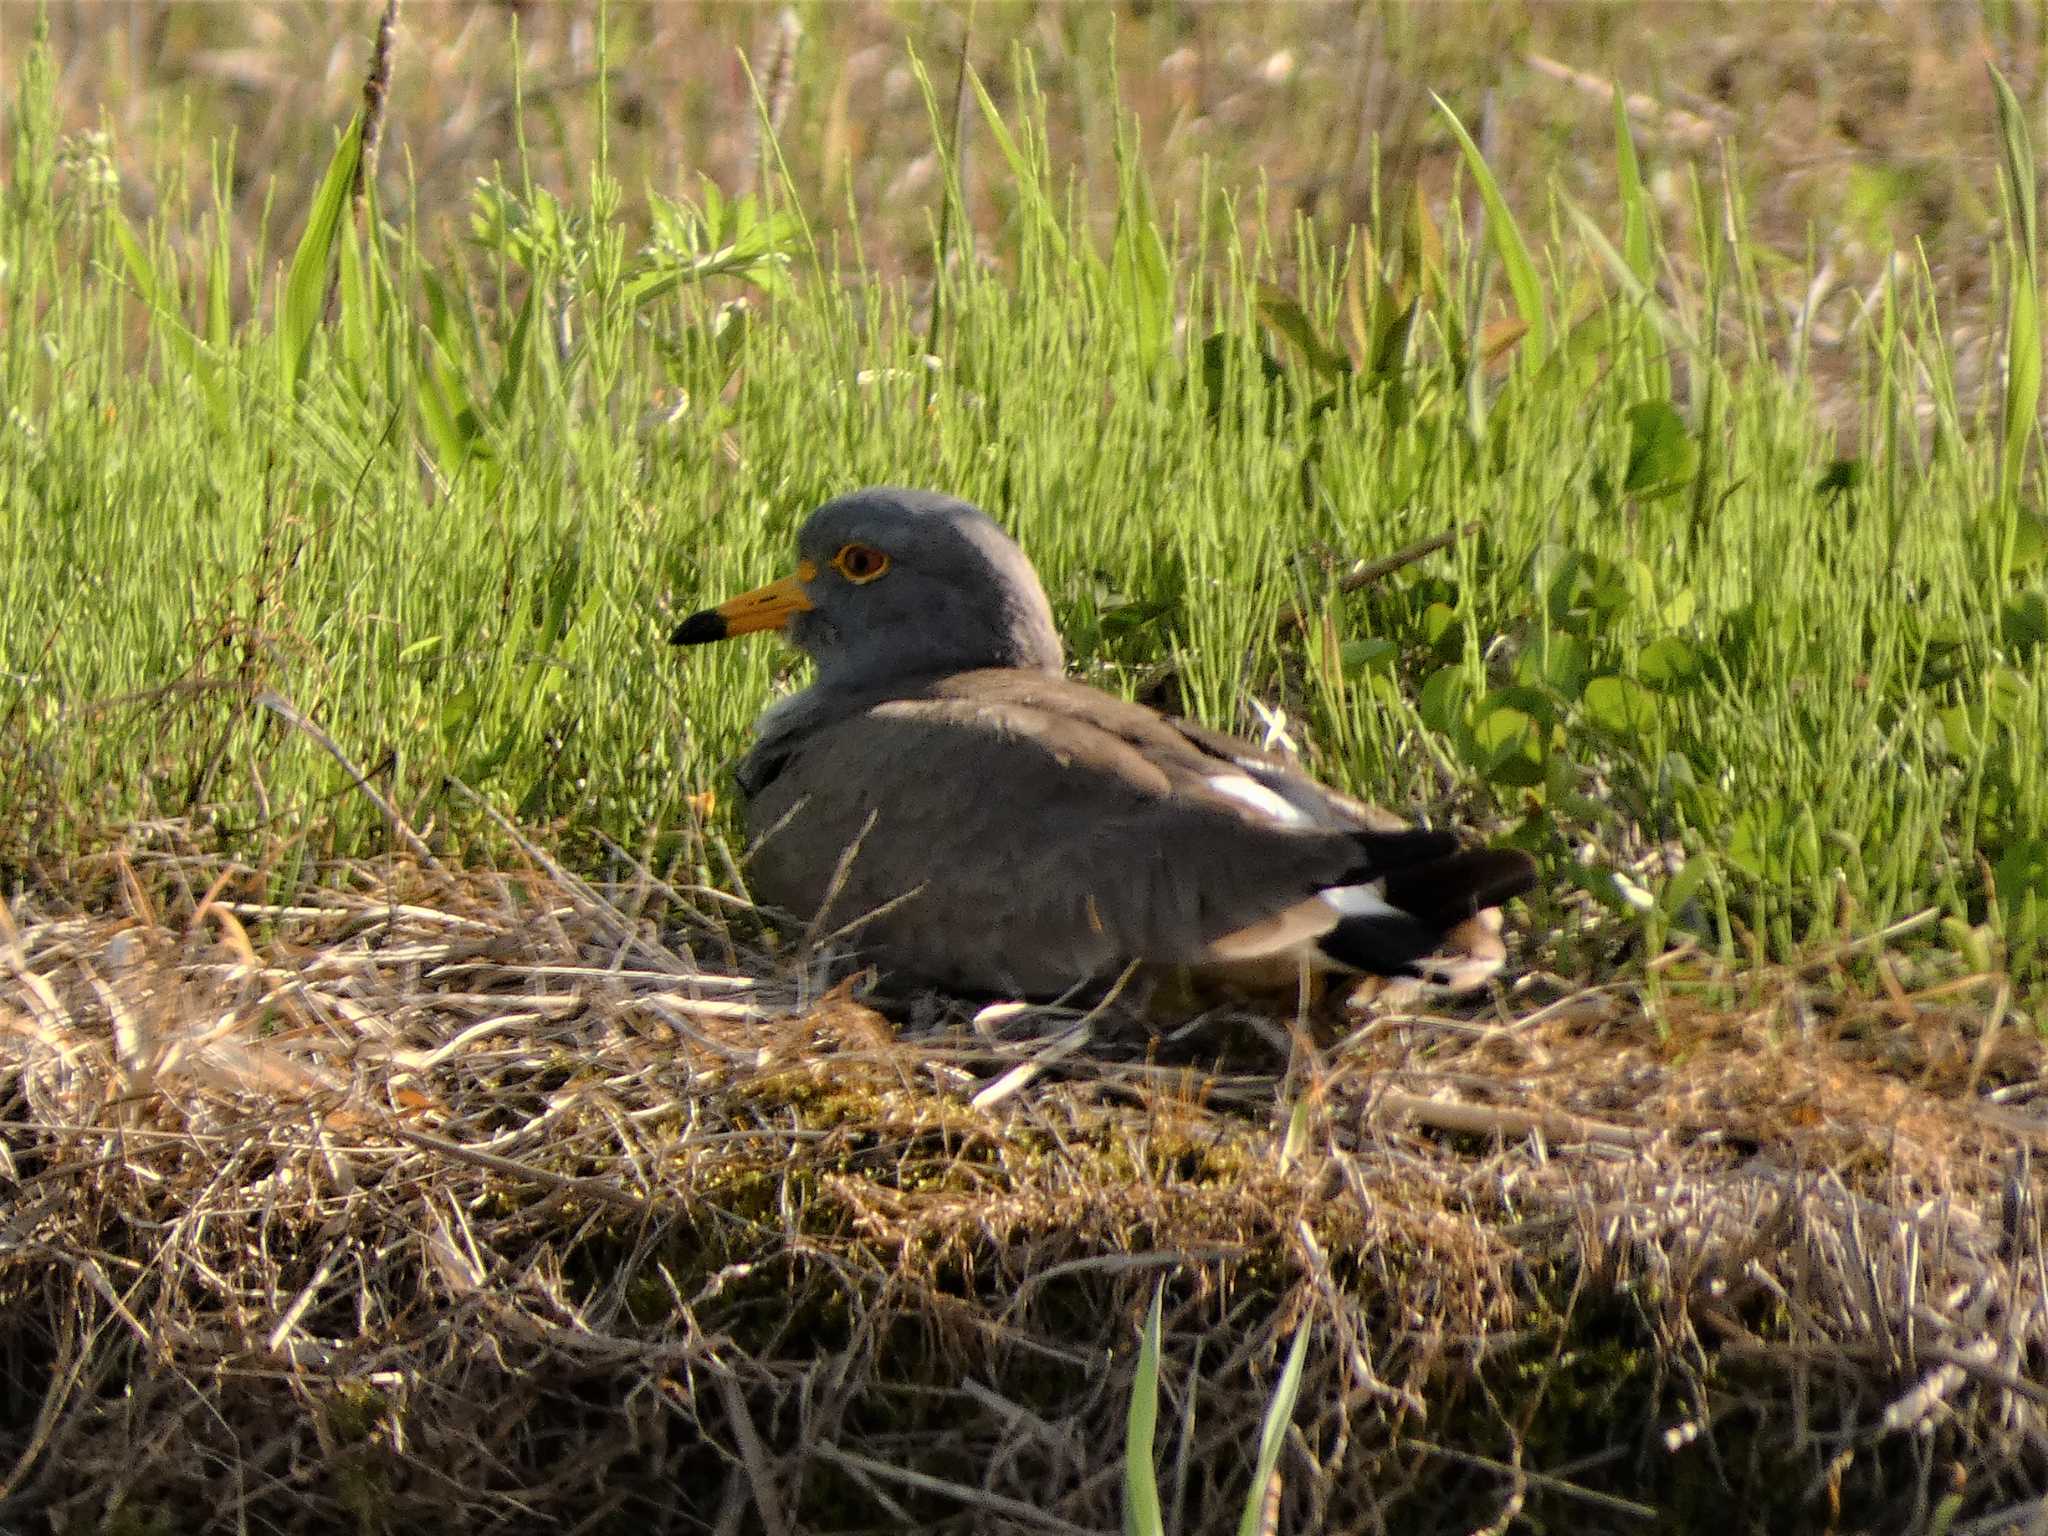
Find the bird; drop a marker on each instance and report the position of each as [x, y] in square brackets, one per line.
[965, 816]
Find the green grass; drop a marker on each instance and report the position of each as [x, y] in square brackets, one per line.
[445, 499]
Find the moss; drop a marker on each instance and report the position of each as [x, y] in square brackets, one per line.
[355, 1411]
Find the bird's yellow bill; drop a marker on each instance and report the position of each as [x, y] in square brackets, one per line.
[768, 607]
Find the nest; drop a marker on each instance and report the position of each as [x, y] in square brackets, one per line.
[507, 1202]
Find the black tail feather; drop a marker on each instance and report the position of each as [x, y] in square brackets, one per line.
[1381, 945]
[1430, 894]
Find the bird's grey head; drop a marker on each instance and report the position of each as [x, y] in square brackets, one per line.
[897, 585]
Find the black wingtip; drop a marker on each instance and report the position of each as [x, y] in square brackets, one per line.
[1447, 891]
[1409, 848]
[699, 628]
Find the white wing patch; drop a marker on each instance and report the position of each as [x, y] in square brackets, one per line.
[1368, 900]
[1249, 791]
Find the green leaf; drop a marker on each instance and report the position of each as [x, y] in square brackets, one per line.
[1142, 1516]
[1438, 620]
[141, 270]
[2006, 692]
[1668, 664]
[460, 712]
[1642, 293]
[1507, 240]
[1560, 663]
[1445, 700]
[1140, 278]
[1753, 841]
[2023, 621]
[1581, 590]
[352, 305]
[1660, 453]
[1685, 884]
[1272, 1433]
[441, 415]
[2016, 157]
[1620, 705]
[2030, 541]
[305, 286]
[506, 395]
[1287, 317]
[2022, 871]
[1360, 655]
[1960, 737]
[1533, 702]
[1675, 774]
[1508, 744]
[1390, 337]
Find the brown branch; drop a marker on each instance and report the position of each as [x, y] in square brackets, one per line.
[1364, 573]
[376, 93]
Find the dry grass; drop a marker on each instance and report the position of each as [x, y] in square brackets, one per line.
[502, 1202]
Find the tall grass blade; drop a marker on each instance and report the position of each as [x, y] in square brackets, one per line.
[1142, 1515]
[1140, 278]
[1508, 243]
[305, 288]
[160, 293]
[35, 129]
[1279, 1415]
[1636, 216]
[219, 278]
[1666, 319]
[2023, 305]
[1029, 187]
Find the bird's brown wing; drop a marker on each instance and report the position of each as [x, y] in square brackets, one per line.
[1198, 750]
[1024, 839]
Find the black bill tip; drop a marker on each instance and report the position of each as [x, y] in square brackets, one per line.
[700, 628]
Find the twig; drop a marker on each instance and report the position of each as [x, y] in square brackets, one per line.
[1611, 1501]
[1508, 1123]
[1018, 1076]
[995, 1503]
[589, 1189]
[283, 708]
[1364, 573]
[1986, 1371]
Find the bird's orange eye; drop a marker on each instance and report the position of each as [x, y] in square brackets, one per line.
[860, 563]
